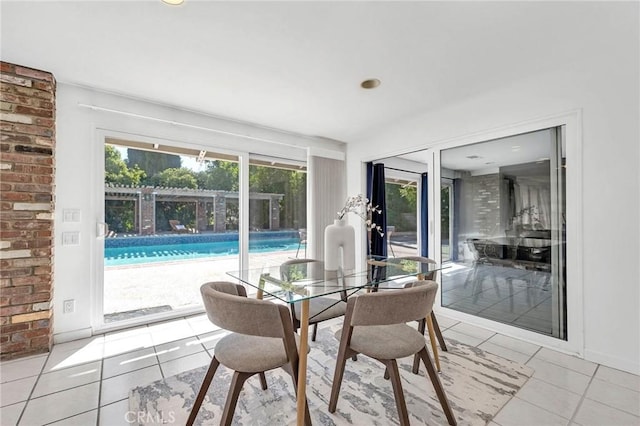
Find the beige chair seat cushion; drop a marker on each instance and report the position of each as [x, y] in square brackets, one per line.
[386, 341]
[321, 309]
[251, 354]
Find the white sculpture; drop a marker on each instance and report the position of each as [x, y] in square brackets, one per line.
[339, 246]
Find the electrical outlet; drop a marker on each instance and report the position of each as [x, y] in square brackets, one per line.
[68, 306]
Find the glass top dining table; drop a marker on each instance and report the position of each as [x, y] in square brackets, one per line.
[303, 279]
[300, 280]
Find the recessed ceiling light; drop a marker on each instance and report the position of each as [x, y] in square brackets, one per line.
[372, 83]
[173, 2]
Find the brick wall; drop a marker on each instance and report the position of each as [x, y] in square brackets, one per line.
[480, 205]
[27, 141]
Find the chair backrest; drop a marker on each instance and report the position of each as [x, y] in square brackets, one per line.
[431, 276]
[393, 307]
[290, 265]
[228, 307]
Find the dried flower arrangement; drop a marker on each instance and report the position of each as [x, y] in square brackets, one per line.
[362, 207]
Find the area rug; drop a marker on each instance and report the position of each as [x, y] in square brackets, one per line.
[478, 384]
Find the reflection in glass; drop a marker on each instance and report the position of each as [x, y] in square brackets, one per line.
[503, 221]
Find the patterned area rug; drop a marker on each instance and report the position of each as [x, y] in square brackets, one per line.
[477, 384]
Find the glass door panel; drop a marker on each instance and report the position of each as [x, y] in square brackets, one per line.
[172, 218]
[402, 218]
[277, 211]
[507, 241]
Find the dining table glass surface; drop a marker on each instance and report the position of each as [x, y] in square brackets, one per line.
[305, 280]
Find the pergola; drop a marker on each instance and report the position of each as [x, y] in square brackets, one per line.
[145, 198]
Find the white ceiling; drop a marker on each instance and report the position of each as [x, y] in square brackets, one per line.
[294, 66]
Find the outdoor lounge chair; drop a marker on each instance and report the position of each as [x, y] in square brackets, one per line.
[176, 226]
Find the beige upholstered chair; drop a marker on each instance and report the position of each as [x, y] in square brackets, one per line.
[431, 323]
[375, 326]
[262, 339]
[320, 308]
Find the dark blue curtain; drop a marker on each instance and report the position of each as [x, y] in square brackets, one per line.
[424, 217]
[378, 242]
[368, 195]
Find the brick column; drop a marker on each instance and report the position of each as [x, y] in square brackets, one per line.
[201, 215]
[220, 213]
[274, 213]
[27, 120]
[147, 211]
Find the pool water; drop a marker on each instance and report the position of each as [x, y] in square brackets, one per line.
[137, 254]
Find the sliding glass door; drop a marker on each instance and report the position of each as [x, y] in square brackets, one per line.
[172, 221]
[176, 217]
[503, 228]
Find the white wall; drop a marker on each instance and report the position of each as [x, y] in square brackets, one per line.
[601, 79]
[79, 168]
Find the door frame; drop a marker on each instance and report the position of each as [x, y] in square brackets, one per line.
[97, 288]
[572, 122]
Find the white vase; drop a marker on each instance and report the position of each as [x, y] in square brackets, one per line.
[339, 246]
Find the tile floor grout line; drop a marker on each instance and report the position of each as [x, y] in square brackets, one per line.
[523, 385]
[512, 349]
[564, 366]
[26, 402]
[584, 396]
[100, 386]
[69, 417]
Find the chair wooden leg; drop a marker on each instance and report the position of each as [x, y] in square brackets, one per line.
[436, 328]
[337, 376]
[232, 398]
[437, 386]
[211, 371]
[263, 381]
[432, 338]
[416, 358]
[403, 414]
[315, 332]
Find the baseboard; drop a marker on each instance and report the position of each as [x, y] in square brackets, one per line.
[612, 361]
[72, 335]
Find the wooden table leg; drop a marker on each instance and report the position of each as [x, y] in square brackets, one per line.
[432, 338]
[302, 366]
[260, 292]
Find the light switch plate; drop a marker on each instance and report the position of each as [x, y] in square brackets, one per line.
[70, 238]
[71, 215]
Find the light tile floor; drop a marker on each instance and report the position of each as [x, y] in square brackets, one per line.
[86, 382]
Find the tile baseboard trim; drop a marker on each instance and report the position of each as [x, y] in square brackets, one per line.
[612, 361]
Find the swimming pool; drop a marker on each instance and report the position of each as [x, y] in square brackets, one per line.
[138, 250]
